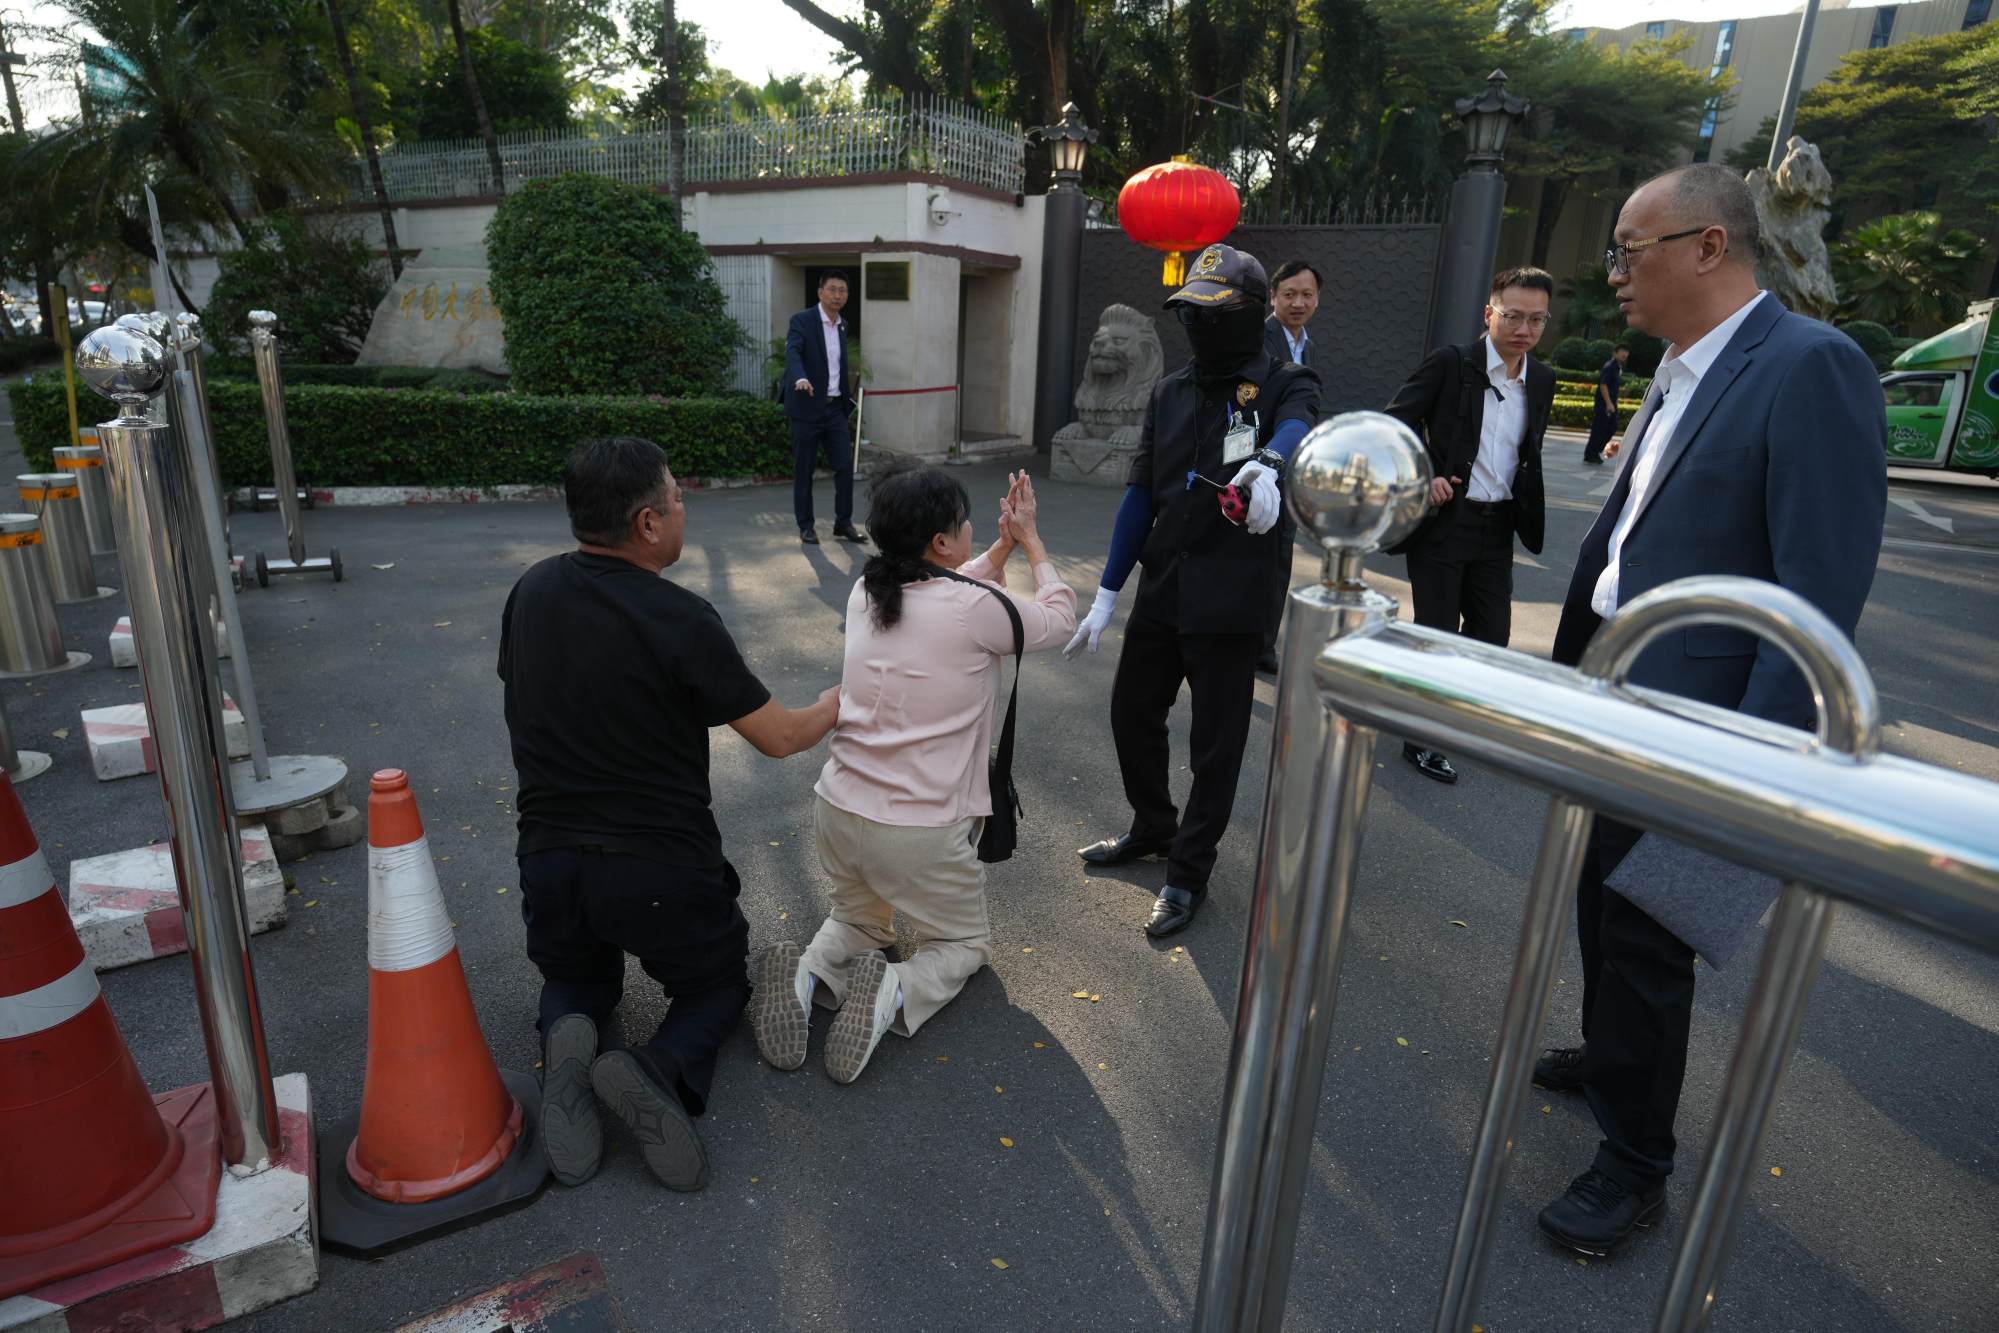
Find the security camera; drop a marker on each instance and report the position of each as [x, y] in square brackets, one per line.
[941, 211]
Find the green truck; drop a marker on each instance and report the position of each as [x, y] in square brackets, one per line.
[1943, 398]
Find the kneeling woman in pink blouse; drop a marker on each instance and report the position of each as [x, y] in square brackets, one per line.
[904, 794]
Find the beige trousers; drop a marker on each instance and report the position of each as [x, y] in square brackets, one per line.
[933, 876]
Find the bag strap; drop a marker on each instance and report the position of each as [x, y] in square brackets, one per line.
[1004, 763]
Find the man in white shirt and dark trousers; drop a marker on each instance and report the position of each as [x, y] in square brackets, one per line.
[1759, 452]
[816, 378]
[1481, 409]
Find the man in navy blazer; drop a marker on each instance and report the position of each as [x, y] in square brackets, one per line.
[1759, 452]
[816, 393]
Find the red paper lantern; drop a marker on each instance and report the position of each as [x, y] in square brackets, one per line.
[1178, 206]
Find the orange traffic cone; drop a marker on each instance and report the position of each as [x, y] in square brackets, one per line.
[443, 1136]
[96, 1169]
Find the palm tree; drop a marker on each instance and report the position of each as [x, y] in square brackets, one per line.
[367, 135]
[1905, 271]
[175, 110]
[478, 101]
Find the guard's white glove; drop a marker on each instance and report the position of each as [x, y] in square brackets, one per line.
[1260, 484]
[1092, 626]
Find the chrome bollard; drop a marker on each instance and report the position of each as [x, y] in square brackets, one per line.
[85, 463]
[284, 478]
[1360, 481]
[30, 635]
[188, 328]
[55, 498]
[155, 507]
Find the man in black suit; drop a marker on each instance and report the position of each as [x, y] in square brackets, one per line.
[1481, 410]
[1294, 299]
[816, 380]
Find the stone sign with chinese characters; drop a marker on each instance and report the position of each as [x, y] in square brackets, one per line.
[440, 313]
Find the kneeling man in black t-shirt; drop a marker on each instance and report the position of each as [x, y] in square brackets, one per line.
[613, 677]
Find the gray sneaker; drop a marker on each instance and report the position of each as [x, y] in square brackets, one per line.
[863, 1020]
[671, 1148]
[570, 1128]
[781, 1014]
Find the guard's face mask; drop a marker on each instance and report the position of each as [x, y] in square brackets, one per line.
[1222, 339]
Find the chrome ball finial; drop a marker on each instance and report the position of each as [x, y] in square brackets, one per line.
[187, 330]
[263, 328]
[1360, 481]
[124, 364]
[149, 322]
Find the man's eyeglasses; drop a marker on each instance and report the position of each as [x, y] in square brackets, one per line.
[1515, 319]
[1617, 259]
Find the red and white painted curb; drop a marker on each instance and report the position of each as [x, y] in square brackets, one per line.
[126, 908]
[120, 739]
[570, 1293]
[125, 650]
[260, 1251]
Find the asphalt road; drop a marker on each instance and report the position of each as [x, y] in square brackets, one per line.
[883, 1205]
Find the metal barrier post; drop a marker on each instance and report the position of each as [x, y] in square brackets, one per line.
[20, 764]
[154, 504]
[30, 635]
[55, 498]
[1358, 482]
[188, 343]
[284, 479]
[85, 463]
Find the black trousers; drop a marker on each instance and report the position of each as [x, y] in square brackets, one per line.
[585, 909]
[1638, 1003]
[1601, 427]
[1461, 579]
[823, 427]
[1220, 671]
[1280, 583]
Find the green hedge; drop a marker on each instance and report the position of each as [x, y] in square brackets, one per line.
[375, 437]
[1584, 383]
[361, 377]
[1574, 413]
[18, 352]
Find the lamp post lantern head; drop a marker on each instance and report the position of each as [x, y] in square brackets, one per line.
[125, 364]
[1488, 119]
[1360, 481]
[1068, 141]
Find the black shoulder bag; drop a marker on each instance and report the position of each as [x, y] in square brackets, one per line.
[1002, 827]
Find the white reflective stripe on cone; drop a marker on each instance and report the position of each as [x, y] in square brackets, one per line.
[44, 1007]
[25, 880]
[407, 927]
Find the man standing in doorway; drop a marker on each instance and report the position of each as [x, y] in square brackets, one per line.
[816, 379]
[1294, 299]
[1603, 422]
[1481, 410]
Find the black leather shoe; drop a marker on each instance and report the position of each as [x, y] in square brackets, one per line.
[1560, 1069]
[1593, 462]
[1123, 851]
[808, 536]
[1173, 912]
[1267, 664]
[1431, 764]
[1599, 1214]
[847, 532]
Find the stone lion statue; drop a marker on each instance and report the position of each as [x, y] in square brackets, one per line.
[1792, 205]
[1125, 361]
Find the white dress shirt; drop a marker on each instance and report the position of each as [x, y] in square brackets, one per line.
[830, 326]
[1679, 376]
[1501, 429]
[1297, 344]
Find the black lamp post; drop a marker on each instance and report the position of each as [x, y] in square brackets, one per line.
[1061, 271]
[1471, 236]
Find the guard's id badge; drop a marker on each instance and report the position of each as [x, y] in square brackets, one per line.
[1240, 442]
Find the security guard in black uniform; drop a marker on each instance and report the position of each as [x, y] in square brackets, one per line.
[1200, 508]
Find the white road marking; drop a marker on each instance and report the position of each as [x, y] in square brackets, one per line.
[1916, 510]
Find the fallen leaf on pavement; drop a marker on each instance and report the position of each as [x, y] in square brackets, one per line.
[441, 624]
[1029, 949]
[999, 1264]
[998, 1088]
[1776, 1170]
[943, 1059]
[1040, 1045]
[502, 890]
[1095, 998]
[1402, 1041]
[1465, 924]
[1006, 1142]
[390, 565]
[60, 733]
[1547, 1110]
[312, 902]
[1079, 995]
[1102, 1065]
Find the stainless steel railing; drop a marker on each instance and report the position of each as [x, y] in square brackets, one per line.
[1829, 814]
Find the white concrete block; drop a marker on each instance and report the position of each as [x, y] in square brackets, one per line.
[126, 908]
[125, 651]
[120, 739]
